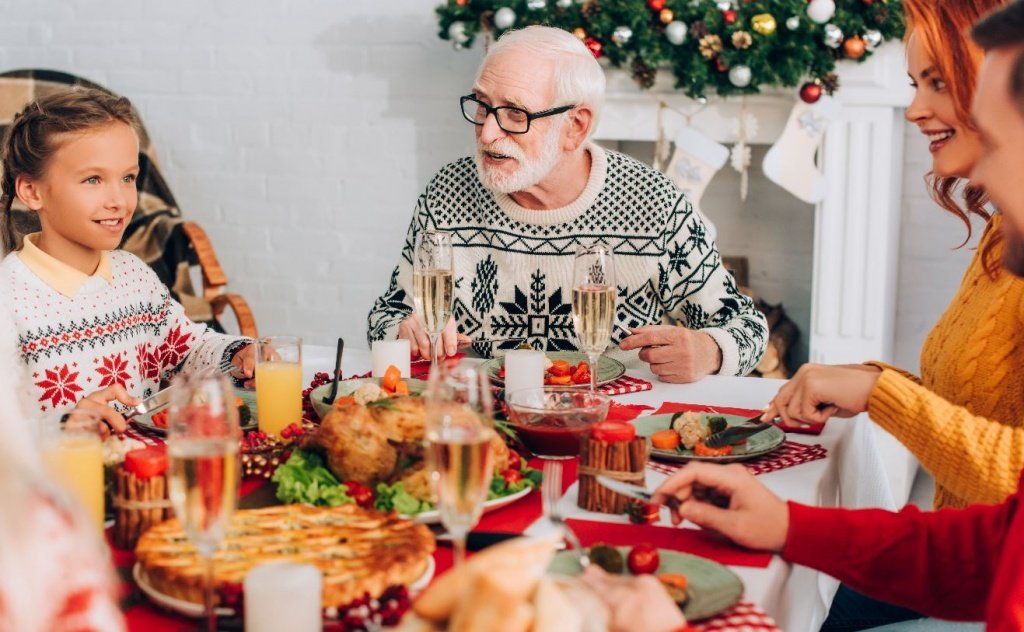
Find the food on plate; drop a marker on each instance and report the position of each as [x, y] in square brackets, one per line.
[640, 512]
[667, 439]
[702, 450]
[391, 385]
[607, 557]
[643, 559]
[159, 418]
[357, 550]
[675, 584]
[690, 428]
[560, 372]
[717, 424]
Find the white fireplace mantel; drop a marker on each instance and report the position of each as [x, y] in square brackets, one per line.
[855, 260]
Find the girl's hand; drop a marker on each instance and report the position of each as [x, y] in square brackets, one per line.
[99, 402]
[245, 365]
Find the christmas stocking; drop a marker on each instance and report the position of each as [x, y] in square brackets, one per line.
[694, 162]
[790, 161]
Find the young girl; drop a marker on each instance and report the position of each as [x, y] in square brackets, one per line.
[95, 324]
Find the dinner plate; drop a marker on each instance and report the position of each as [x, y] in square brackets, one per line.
[347, 387]
[434, 516]
[608, 369]
[711, 588]
[196, 610]
[763, 442]
[248, 396]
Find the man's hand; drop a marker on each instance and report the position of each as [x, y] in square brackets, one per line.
[676, 354]
[635, 603]
[819, 391]
[419, 342]
[99, 403]
[245, 365]
[753, 517]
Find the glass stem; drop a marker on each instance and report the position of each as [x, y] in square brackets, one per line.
[435, 357]
[460, 549]
[594, 359]
[211, 612]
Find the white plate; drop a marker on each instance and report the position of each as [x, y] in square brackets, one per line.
[195, 610]
[434, 517]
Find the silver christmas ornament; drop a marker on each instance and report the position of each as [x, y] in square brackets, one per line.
[740, 76]
[723, 5]
[793, 23]
[534, 5]
[821, 11]
[563, 4]
[872, 39]
[675, 32]
[621, 35]
[504, 18]
[833, 36]
[457, 33]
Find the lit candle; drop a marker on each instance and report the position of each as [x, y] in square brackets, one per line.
[523, 369]
[283, 596]
[390, 352]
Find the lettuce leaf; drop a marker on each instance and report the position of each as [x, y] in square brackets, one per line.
[394, 497]
[304, 478]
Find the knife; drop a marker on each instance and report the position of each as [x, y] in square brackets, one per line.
[478, 540]
[154, 403]
[734, 434]
[700, 492]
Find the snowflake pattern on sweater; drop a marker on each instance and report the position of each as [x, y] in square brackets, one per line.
[129, 332]
[513, 268]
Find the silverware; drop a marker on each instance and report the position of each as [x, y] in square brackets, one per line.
[551, 494]
[734, 434]
[329, 398]
[162, 398]
[633, 491]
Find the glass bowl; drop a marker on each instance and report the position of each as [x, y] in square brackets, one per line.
[551, 420]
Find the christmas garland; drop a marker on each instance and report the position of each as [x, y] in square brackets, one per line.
[721, 46]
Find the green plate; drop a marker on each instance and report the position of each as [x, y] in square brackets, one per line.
[248, 396]
[347, 387]
[608, 369]
[711, 588]
[761, 443]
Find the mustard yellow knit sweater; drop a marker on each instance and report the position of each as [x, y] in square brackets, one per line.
[964, 417]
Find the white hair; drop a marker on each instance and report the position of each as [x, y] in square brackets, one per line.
[579, 79]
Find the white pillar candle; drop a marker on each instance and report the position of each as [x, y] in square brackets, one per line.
[390, 352]
[523, 369]
[283, 596]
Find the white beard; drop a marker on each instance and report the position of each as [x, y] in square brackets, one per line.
[529, 172]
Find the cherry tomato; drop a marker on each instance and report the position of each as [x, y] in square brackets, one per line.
[581, 374]
[501, 372]
[512, 476]
[559, 368]
[146, 462]
[361, 494]
[515, 462]
[643, 559]
[613, 431]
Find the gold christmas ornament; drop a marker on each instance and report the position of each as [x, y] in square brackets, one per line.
[763, 23]
[742, 40]
[580, 33]
[666, 16]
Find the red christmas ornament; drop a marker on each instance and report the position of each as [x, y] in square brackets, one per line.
[729, 15]
[594, 46]
[810, 92]
[720, 65]
[655, 5]
[461, 3]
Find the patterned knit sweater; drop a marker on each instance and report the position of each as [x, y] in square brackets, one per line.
[964, 417]
[128, 331]
[514, 266]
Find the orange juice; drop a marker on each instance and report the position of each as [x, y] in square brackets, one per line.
[278, 395]
[76, 462]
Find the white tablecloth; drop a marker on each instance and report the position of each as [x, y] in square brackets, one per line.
[865, 467]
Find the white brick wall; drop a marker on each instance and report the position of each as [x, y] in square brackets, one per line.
[299, 133]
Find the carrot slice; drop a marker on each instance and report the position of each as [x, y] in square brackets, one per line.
[347, 400]
[402, 388]
[391, 378]
[665, 439]
[702, 450]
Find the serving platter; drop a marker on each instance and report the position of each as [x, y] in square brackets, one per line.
[347, 387]
[434, 516]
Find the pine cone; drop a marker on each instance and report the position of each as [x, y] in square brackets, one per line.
[742, 40]
[643, 73]
[882, 15]
[829, 83]
[710, 45]
[590, 9]
[698, 29]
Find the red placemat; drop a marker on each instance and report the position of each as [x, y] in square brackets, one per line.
[676, 407]
[789, 454]
[693, 541]
[743, 617]
[625, 385]
[145, 435]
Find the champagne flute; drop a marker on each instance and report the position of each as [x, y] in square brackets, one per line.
[433, 284]
[593, 301]
[203, 469]
[460, 431]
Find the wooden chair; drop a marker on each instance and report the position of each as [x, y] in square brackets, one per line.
[215, 281]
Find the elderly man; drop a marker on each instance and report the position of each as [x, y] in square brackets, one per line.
[536, 190]
[956, 564]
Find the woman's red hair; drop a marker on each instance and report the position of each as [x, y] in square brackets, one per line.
[943, 27]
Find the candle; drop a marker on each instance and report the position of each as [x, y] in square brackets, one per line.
[523, 369]
[283, 596]
[390, 352]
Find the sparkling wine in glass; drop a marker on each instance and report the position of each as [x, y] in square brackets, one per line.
[433, 283]
[593, 301]
[460, 455]
[203, 466]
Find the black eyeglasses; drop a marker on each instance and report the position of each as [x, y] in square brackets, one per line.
[511, 120]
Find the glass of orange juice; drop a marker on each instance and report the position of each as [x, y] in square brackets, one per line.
[278, 383]
[73, 454]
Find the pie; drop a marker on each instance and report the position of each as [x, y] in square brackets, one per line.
[357, 550]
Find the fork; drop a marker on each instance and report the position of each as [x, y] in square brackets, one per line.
[551, 494]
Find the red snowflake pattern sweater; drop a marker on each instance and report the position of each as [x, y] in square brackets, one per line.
[126, 331]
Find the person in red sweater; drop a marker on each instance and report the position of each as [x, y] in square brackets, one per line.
[961, 564]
